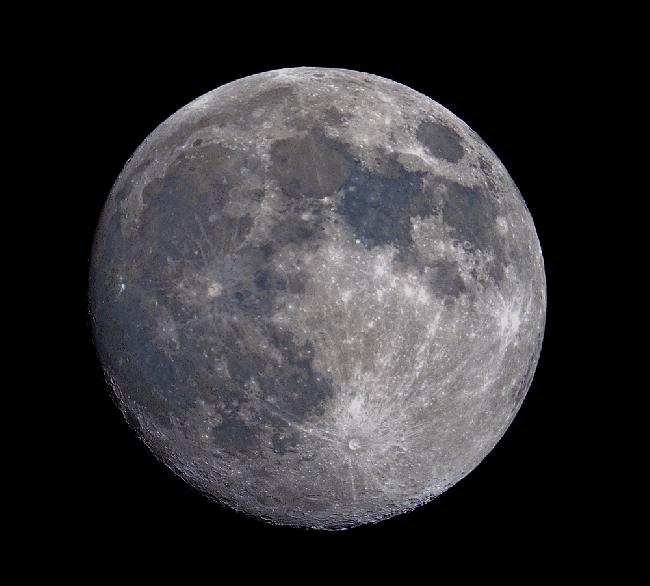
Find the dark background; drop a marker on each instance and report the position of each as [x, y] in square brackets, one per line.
[523, 96]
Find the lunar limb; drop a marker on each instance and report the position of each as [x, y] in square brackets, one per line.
[317, 296]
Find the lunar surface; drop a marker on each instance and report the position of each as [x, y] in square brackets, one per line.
[317, 296]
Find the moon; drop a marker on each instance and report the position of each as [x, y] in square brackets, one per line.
[317, 296]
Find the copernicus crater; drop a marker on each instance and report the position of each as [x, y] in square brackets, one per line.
[317, 296]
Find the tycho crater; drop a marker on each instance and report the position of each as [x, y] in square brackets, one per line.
[318, 296]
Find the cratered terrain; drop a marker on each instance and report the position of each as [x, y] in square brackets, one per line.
[317, 296]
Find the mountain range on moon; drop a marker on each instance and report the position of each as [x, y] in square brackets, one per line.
[317, 296]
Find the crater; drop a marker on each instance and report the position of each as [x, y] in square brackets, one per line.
[440, 140]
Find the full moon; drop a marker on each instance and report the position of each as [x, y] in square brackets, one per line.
[317, 296]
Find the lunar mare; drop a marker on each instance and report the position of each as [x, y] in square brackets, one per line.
[317, 296]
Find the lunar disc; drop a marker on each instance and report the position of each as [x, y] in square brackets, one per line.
[317, 296]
